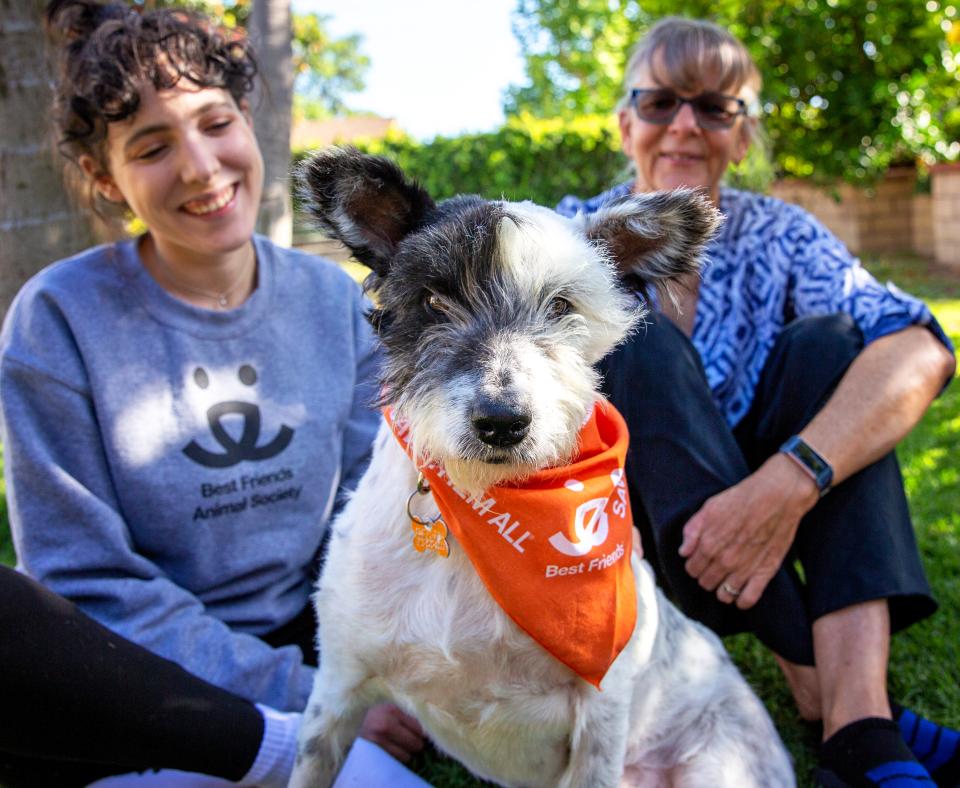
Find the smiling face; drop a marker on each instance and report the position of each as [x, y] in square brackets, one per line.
[188, 165]
[681, 153]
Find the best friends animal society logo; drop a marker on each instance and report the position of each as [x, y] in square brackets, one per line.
[591, 527]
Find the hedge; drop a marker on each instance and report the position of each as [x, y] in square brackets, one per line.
[528, 159]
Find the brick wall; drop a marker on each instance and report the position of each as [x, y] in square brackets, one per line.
[879, 219]
[923, 225]
[886, 212]
[945, 179]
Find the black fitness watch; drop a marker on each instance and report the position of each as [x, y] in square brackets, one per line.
[798, 450]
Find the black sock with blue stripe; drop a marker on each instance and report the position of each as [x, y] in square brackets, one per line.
[935, 746]
[869, 753]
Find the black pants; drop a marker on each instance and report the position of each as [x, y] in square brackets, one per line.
[78, 702]
[857, 544]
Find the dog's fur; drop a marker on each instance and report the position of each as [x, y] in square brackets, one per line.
[504, 305]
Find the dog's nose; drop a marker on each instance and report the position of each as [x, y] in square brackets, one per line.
[500, 425]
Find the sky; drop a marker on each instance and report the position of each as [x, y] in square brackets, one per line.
[436, 66]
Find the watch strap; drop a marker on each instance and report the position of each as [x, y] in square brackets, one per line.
[802, 453]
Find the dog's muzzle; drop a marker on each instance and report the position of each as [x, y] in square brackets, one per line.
[499, 425]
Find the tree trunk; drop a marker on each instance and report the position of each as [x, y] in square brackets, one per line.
[271, 33]
[38, 223]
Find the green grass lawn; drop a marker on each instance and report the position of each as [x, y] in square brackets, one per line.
[925, 660]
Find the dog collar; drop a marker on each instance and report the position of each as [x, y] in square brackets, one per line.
[554, 551]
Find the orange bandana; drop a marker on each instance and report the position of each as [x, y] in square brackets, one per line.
[555, 552]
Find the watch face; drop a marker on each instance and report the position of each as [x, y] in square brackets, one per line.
[811, 458]
[815, 464]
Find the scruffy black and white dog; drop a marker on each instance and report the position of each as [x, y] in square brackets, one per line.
[502, 309]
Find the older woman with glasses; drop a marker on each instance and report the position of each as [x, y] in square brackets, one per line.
[784, 373]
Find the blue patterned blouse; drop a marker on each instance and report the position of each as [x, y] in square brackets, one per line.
[770, 263]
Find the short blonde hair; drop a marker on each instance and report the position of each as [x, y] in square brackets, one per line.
[679, 52]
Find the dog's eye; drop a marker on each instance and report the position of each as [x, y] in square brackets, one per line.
[435, 306]
[559, 307]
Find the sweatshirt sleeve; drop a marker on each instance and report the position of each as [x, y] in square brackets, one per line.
[69, 533]
[364, 420]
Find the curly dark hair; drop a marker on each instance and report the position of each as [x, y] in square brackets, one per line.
[108, 52]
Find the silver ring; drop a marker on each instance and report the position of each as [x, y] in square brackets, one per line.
[423, 488]
[732, 591]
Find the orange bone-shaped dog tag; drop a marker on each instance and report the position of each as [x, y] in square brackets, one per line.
[432, 537]
[427, 534]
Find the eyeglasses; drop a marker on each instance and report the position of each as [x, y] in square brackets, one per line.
[712, 110]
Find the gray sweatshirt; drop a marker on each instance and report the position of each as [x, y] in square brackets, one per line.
[172, 469]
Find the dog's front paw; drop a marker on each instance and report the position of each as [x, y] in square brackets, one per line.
[318, 757]
[314, 768]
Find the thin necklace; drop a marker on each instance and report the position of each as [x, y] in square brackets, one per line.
[222, 299]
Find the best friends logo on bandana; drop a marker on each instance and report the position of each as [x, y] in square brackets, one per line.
[554, 551]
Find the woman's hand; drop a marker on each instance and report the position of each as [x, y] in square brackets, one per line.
[739, 538]
[393, 730]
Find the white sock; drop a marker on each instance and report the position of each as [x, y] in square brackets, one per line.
[278, 749]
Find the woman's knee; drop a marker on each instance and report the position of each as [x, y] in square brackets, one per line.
[804, 366]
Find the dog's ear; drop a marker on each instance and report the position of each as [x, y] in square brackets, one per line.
[363, 201]
[655, 238]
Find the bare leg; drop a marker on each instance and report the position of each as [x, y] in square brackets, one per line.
[849, 682]
[805, 686]
[852, 647]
